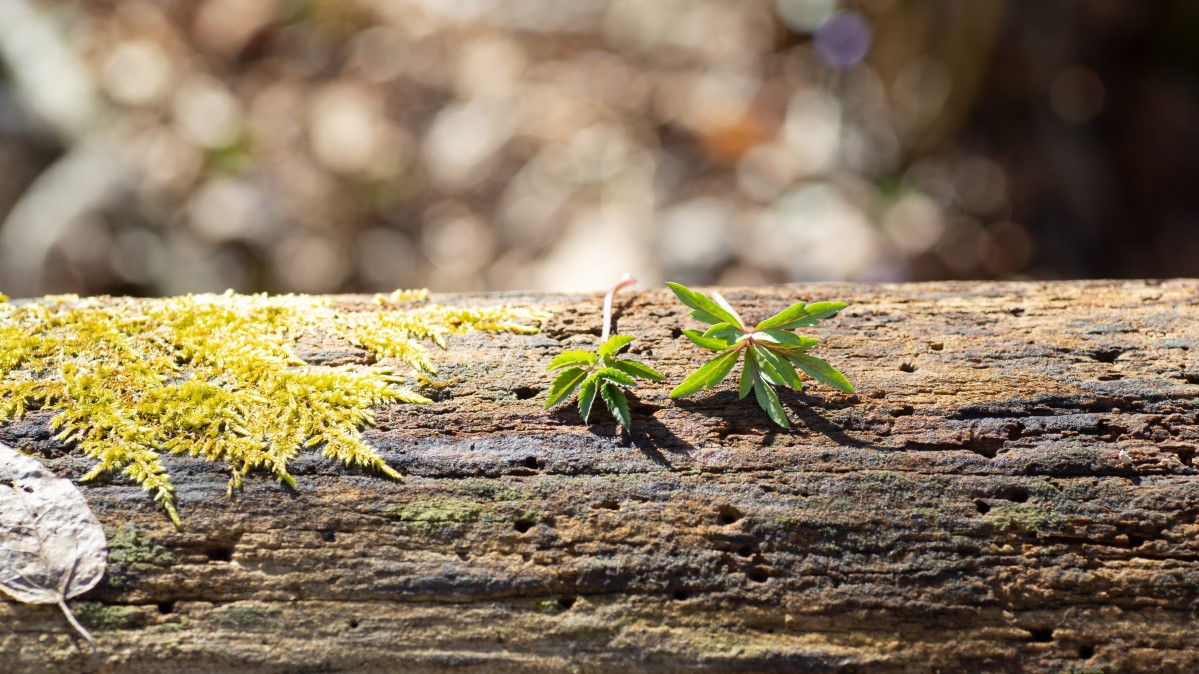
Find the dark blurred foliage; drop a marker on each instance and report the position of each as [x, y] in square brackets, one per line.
[161, 147]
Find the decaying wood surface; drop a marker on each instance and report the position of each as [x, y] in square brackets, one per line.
[1010, 490]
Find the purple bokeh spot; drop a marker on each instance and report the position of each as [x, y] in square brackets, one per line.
[843, 39]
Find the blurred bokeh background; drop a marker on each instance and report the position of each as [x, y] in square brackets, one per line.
[161, 146]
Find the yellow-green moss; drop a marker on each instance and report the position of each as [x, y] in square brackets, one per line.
[1030, 517]
[437, 513]
[216, 376]
[110, 617]
[237, 616]
[131, 551]
[130, 548]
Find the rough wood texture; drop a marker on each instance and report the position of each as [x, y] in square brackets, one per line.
[1011, 490]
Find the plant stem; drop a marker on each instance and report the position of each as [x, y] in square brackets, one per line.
[62, 604]
[626, 280]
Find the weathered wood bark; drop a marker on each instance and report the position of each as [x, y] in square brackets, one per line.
[1010, 490]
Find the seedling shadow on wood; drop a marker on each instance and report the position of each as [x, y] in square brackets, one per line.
[806, 412]
[736, 417]
[647, 433]
[651, 435]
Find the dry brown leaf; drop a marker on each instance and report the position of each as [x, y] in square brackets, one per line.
[52, 547]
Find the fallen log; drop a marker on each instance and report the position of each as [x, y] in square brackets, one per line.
[1011, 489]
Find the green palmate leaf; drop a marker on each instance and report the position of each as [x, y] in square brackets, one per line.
[804, 322]
[821, 371]
[823, 310]
[748, 374]
[769, 401]
[615, 376]
[704, 317]
[772, 351]
[764, 369]
[634, 369]
[577, 357]
[786, 338]
[587, 396]
[564, 384]
[711, 374]
[779, 366]
[711, 343]
[617, 404]
[614, 344]
[709, 311]
[800, 315]
[789, 314]
[725, 332]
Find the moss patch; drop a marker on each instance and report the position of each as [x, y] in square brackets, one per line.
[107, 617]
[237, 616]
[131, 550]
[437, 513]
[1031, 517]
[217, 376]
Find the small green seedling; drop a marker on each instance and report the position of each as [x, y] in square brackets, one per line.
[772, 351]
[601, 373]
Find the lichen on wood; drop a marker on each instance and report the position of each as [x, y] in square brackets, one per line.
[217, 376]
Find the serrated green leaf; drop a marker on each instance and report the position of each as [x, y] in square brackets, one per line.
[724, 331]
[765, 367]
[711, 374]
[706, 307]
[615, 343]
[569, 358]
[800, 315]
[791, 313]
[587, 396]
[618, 405]
[748, 373]
[821, 371]
[823, 310]
[786, 338]
[769, 401]
[564, 384]
[710, 343]
[781, 367]
[635, 369]
[615, 376]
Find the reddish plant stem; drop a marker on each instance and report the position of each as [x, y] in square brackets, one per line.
[625, 281]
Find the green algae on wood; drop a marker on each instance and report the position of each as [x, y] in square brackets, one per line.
[111, 617]
[437, 513]
[217, 376]
[131, 548]
[132, 551]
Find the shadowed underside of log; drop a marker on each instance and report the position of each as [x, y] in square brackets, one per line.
[1011, 489]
